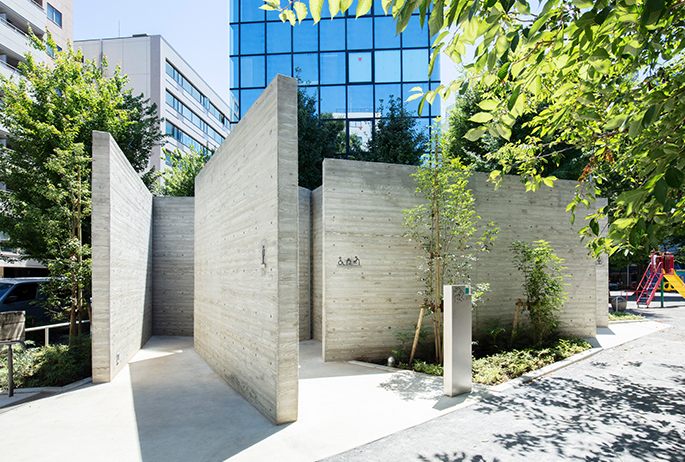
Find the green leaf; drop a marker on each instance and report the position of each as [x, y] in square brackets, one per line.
[315, 7]
[270, 5]
[414, 96]
[333, 7]
[387, 4]
[615, 122]
[635, 128]
[288, 15]
[652, 11]
[363, 7]
[345, 5]
[514, 97]
[481, 117]
[651, 114]
[301, 10]
[674, 177]
[488, 104]
[661, 191]
[436, 22]
[594, 226]
[475, 133]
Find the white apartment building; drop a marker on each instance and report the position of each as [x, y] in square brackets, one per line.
[193, 113]
[16, 17]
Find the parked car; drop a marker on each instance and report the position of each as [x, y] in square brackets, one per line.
[24, 294]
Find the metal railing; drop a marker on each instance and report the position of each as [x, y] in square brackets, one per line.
[51, 326]
[14, 28]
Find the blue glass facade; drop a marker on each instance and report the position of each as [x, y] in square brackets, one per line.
[350, 65]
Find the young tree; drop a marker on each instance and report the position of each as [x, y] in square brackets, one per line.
[179, 178]
[612, 72]
[396, 138]
[543, 285]
[50, 113]
[444, 226]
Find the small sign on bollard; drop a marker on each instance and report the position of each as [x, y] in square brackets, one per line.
[12, 324]
[457, 340]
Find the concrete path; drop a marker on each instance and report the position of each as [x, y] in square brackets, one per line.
[626, 403]
[168, 405]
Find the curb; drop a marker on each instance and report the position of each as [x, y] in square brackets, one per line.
[55, 390]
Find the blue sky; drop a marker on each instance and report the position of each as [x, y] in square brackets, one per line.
[198, 31]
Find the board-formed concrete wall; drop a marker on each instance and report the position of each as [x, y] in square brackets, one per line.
[173, 265]
[122, 260]
[362, 307]
[304, 262]
[246, 255]
[316, 262]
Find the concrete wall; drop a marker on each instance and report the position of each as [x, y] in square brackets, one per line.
[246, 255]
[362, 307]
[122, 260]
[316, 262]
[173, 222]
[304, 262]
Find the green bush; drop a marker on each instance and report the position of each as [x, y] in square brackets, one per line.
[501, 367]
[624, 316]
[48, 366]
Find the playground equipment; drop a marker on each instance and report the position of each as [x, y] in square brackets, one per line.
[661, 266]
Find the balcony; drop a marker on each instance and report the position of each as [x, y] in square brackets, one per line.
[26, 11]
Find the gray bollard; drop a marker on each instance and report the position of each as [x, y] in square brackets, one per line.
[457, 340]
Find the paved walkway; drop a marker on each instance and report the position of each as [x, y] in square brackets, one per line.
[626, 403]
[168, 405]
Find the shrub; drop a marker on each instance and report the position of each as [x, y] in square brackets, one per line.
[49, 366]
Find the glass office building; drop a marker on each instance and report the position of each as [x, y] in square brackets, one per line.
[349, 65]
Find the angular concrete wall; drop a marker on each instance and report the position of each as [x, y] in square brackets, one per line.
[316, 262]
[122, 260]
[246, 255]
[360, 209]
[173, 222]
[304, 262]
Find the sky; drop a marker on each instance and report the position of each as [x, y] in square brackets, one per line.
[198, 31]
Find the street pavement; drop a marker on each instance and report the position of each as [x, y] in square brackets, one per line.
[626, 403]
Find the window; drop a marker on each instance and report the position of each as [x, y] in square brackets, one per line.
[308, 65]
[414, 65]
[333, 35]
[306, 36]
[385, 92]
[234, 38]
[359, 33]
[247, 99]
[387, 66]
[249, 10]
[360, 101]
[360, 67]
[277, 64]
[333, 100]
[332, 67]
[384, 33]
[184, 83]
[54, 15]
[193, 118]
[184, 139]
[252, 71]
[278, 37]
[413, 36]
[252, 39]
[413, 106]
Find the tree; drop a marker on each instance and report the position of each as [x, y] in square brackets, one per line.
[50, 113]
[444, 227]
[396, 138]
[179, 178]
[543, 285]
[611, 72]
[317, 139]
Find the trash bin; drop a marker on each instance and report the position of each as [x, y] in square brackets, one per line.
[618, 303]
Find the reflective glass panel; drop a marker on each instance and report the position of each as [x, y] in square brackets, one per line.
[308, 64]
[333, 100]
[233, 10]
[234, 39]
[312, 92]
[247, 99]
[385, 92]
[252, 71]
[384, 33]
[378, 8]
[436, 69]
[252, 39]
[277, 64]
[359, 101]
[332, 34]
[360, 133]
[250, 11]
[235, 69]
[305, 36]
[332, 67]
[413, 106]
[278, 37]
[413, 36]
[359, 67]
[337, 126]
[414, 65]
[387, 66]
[359, 33]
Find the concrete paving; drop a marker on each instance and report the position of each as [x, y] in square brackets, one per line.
[168, 405]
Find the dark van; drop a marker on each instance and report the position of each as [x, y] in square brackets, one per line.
[24, 294]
